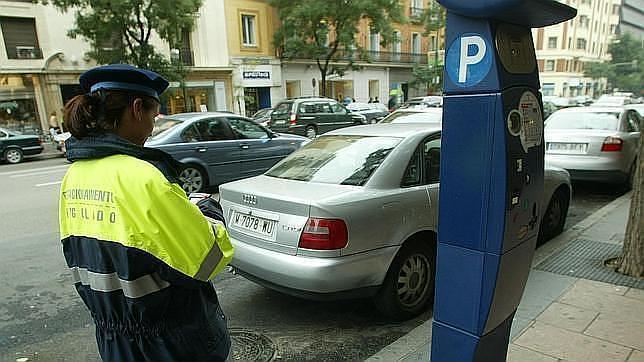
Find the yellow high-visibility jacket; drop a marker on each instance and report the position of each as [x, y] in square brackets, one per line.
[141, 254]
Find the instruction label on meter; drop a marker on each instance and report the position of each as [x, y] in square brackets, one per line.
[532, 131]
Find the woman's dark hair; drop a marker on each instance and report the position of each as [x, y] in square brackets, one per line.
[99, 112]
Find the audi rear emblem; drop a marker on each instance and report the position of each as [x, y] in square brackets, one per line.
[249, 199]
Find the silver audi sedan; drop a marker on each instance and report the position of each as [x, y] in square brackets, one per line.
[594, 143]
[353, 214]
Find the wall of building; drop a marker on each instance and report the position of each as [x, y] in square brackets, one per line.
[209, 37]
[305, 73]
[266, 24]
[632, 18]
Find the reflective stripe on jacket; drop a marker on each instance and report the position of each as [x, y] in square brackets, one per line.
[128, 201]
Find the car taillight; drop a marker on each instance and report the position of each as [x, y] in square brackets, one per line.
[612, 144]
[293, 119]
[324, 234]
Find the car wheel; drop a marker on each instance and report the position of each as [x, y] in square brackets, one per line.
[409, 284]
[555, 217]
[311, 132]
[13, 155]
[193, 179]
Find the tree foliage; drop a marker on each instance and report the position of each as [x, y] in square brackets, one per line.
[626, 68]
[119, 31]
[433, 19]
[325, 31]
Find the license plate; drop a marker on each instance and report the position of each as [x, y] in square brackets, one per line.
[253, 224]
[567, 147]
[280, 122]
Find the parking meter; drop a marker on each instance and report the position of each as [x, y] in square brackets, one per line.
[492, 166]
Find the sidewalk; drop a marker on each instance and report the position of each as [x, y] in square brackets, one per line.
[564, 315]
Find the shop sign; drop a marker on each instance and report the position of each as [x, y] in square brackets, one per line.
[257, 76]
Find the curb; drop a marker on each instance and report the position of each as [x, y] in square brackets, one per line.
[416, 341]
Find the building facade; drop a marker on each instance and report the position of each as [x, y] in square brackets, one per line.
[228, 57]
[631, 18]
[563, 50]
[257, 74]
[40, 65]
[387, 73]
[204, 51]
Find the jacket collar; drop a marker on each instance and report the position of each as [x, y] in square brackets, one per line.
[109, 144]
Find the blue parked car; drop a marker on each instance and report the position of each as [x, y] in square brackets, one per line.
[220, 147]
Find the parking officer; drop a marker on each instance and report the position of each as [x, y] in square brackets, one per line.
[140, 253]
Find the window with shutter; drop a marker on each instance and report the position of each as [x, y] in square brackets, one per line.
[20, 38]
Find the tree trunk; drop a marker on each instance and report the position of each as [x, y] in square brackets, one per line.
[322, 84]
[632, 260]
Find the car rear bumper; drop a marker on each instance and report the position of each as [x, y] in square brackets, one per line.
[292, 129]
[610, 168]
[358, 275]
[613, 176]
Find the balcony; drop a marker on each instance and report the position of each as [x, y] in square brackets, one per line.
[372, 57]
[416, 13]
[24, 52]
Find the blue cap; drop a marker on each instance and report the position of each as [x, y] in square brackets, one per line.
[123, 77]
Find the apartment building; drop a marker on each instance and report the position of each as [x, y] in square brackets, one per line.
[563, 50]
[40, 64]
[229, 54]
[257, 73]
[388, 71]
[631, 18]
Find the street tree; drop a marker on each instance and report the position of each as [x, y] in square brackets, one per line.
[120, 31]
[325, 31]
[433, 19]
[625, 70]
[632, 259]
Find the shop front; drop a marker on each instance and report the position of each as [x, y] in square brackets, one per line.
[257, 85]
[195, 96]
[18, 109]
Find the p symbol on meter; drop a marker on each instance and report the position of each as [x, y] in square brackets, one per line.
[468, 59]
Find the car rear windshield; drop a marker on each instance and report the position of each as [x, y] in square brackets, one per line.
[583, 120]
[282, 108]
[162, 125]
[339, 160]
[413, 117]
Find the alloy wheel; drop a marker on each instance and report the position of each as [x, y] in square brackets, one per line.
[311, 132]
[413, 280]
[13, 156]
[191, 180]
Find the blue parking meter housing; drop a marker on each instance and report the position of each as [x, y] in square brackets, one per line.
[492, 166]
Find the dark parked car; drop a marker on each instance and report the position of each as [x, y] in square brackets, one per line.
[14, 145]
[311, 116]
[263, 117]
[220, 147]
[373, 112]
